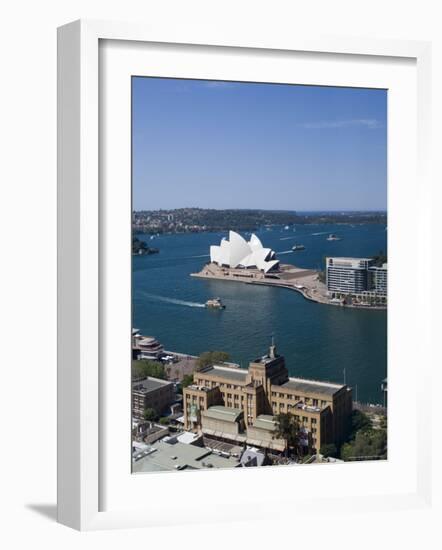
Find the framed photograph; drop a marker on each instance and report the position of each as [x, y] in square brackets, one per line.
[234, 320]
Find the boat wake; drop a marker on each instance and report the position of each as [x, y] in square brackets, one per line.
[287, 238]
[321, 233]
[172, 300]
[285, 252]
[201, 256]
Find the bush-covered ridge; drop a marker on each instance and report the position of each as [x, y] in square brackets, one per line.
[188, 220]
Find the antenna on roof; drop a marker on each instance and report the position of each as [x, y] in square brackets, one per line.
[272, 349]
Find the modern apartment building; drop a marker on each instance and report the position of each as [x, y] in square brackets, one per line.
[348, 275]
[378, 279]
[236, 404]
[356, 277]
[151, 393]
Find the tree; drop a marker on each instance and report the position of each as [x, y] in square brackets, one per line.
[383, 422]
[380, 258]
[359, 422]
[187, 380]
[144, 367]
[287, 428]
[149, 414]
[368, 444]
[209, 358]
[164, 420]
[347, 452]
[329, 449]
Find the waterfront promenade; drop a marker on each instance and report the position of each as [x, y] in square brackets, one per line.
[304, 281]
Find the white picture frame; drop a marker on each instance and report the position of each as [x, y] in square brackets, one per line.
[83, 299]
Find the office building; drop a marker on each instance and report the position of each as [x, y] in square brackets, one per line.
[152, 393]
[239, 405]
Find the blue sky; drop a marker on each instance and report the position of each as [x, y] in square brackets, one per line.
[242, 145]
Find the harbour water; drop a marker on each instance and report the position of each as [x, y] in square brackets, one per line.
[318, 341]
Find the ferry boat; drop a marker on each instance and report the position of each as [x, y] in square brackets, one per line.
[297, 247]
[333, 237]
[215, 303]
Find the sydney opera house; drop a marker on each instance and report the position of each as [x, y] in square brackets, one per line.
[236, 252]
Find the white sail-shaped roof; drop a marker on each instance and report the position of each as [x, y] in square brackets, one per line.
[237, 252]
[239, 248]
[215, 254]
[255, 243]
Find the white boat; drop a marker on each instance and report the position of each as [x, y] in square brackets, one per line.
[333, 237]
[297, 247]
[215, 303]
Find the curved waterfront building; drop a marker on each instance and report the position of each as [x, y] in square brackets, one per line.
[146, 347]
[239, 253]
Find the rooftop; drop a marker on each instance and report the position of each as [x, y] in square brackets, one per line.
[199, 388]
[176, 456]
[348, 259]
[149, 384]
[265, 422]
[307, 408]
[312, 386]
[265, 359]
[187, 438]
[148, 341]
[227, 373]
[219, 412]
[252, 457]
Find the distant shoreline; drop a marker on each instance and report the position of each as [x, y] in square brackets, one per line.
[198, 220]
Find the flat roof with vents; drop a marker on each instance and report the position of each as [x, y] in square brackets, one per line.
[227, 373]
[311, 386]
[175, 456]
[150, 384]
[265, 422]
[219, 412]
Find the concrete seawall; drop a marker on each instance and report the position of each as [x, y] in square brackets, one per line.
[304, 281]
